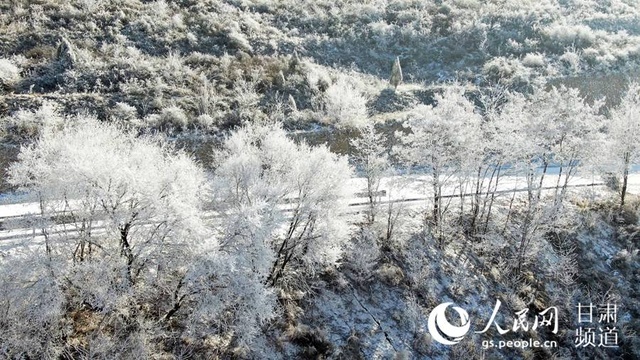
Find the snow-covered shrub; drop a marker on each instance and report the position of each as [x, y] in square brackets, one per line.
[317, 77]
[580, 36]
[205, 121]
[391, 274]
[239, 40]
[245, 102]
[33, 308]
[125, 113]
[151, 121]
[174, 118]
[29, 124]
[345, 105]
[572, 59]
[533, 60]
[314, 341]
[625, 258]
[592, 56]
[363, 253]
[9, 73]
[504, 68]
[412, 317]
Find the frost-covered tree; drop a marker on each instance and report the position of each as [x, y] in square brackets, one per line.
[100, 177]
[438, 141]
[523, 147]
[29, 124]
[372, 157]
[548, 128]
[345, 105]
[494, 147]
[120, 247]
[284, 203]
[624, 132]
[565, 127]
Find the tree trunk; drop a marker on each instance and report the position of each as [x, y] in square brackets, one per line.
[625, 178]
[544, 172]
[556, 199]
[125, 250]
[436, 198]
[372, 188]
[493, 196]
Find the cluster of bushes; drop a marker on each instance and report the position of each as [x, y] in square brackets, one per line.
[199, 56]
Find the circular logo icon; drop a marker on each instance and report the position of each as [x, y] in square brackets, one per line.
[442, 330]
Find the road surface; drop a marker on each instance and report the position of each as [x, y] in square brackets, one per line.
[410, 190]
